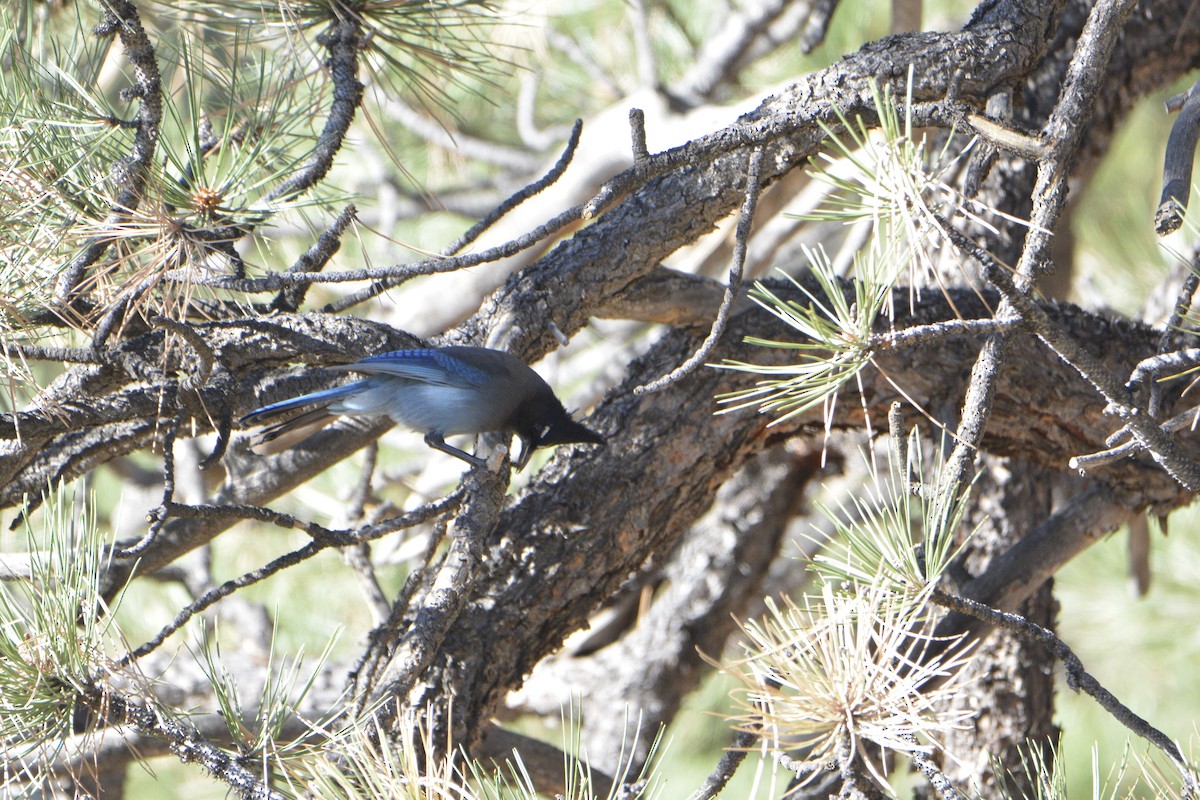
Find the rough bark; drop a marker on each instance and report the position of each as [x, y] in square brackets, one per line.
[593, 518]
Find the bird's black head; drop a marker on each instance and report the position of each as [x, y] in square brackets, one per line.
[543, 422]
[566, 431]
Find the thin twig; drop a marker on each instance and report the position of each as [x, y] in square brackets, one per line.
[1150, 370]
[731, 759]
[1065, 128]
[274, 281]
[323, 538]
[315, 259]
[1177, 163]
[158, 517]
[115, 316]
[1183, 304]
[63, 355]
[937, 779]
[362, 492]
[477, 230]
[358, 556]
[185, 741]
[854, 785]
[922, 335]
[741, 240]
[637, 135]
[1026, 145]
[900, 444]
[212, 596]
[802, 770]
[343, 42]
[224, 434]
[977, 407]
[537, 187]
[1132, 447]
[254, 514]
[1077, 677]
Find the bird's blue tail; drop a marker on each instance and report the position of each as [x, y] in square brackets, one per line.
[308, 423]
[323, 398]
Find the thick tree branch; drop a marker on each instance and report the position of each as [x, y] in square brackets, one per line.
[573, 542]
[714, 576]
[1024, 423]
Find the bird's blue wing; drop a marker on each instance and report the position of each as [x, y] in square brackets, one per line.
[434, 367]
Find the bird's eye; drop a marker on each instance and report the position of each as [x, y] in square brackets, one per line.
[543, 431]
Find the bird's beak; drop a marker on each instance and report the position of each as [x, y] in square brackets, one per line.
[568, 431]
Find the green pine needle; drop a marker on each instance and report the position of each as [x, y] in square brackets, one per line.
[835, 347]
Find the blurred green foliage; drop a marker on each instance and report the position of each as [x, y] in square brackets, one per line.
[1143, 649]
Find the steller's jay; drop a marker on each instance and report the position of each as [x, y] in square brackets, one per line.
[440, 392]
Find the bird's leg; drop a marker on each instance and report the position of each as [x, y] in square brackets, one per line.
[436, 441]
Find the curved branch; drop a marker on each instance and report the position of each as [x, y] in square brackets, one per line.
[343, 42]
[129, 174]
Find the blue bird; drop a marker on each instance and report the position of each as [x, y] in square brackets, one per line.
[441, 392]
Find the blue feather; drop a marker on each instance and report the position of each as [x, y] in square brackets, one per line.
[435, 367]
[323, 396]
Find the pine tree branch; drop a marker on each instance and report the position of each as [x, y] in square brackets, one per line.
[1078, 678]
[121, 18]
[343, 41]
[186, 743]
